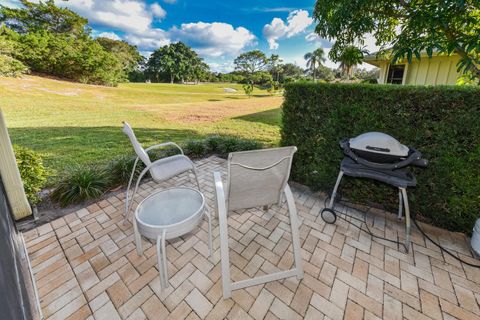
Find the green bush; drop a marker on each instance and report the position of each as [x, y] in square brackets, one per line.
[9, 66]
[80, 184]
[443, 122]
[33, 173]
[90, 182]
[196, 148]
[120, 169]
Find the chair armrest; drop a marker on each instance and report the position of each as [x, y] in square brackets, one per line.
[164, 144]
[219, 195]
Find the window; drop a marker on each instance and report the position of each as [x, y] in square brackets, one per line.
[395, 73]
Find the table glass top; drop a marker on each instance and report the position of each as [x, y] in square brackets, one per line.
[169, 206]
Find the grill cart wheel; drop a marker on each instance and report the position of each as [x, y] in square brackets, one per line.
[329, 216]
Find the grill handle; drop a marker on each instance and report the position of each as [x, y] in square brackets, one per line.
[422, 163]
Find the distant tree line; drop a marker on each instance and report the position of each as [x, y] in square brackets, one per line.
[48, 39]
[44, 38]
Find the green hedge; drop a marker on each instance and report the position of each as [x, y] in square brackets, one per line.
[442, 122]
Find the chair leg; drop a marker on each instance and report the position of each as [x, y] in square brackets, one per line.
[128, 190]
[225, 254]
[297, 250]
[196, 178]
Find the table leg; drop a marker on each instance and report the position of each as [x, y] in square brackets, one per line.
[138, 238]
[164, 258]
[161, 262]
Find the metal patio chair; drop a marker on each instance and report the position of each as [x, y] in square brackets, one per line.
[160, 170]
[256, 179]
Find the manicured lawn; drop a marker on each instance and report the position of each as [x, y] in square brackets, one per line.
[72, 123]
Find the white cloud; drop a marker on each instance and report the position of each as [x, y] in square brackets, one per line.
[158, 11]
[223, 67]
[134, 19]
[297, 22]
[11, 3]
[109, 35]
[149, 40]
[312, 36]
[125, 15]
[213, 39]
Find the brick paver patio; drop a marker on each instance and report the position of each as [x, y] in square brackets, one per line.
[86, 267]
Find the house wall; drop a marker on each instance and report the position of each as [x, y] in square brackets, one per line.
[428, 71]
[15, 300]
[433, 71]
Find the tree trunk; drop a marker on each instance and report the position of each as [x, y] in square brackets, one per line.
[171, 78]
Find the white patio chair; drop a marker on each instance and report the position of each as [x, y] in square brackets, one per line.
[256, 179]
[160, 170]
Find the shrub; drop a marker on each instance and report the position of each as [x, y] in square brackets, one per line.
[443, 122]
[80, 184]
[196, 148]
[213, 142]
[120, 169]
[33, 173]
[90, 182]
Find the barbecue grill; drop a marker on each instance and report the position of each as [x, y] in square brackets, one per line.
[378, 156]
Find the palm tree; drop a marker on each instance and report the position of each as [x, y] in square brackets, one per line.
[314, 58]
[348, 56]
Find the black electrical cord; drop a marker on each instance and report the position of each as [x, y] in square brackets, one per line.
[345, 204]
[442, 248]
[363, 222]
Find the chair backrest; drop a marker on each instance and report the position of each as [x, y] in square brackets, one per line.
[136, 145]
[257, 178]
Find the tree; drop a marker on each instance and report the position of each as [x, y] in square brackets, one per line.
[348, 56]
[44, 15]
[126, 54]
[251, 62]
[176, 61]
[275, 67]
[314, 58]
[9, 66]
[57, 41]
[290, 70]
[407, 28]
[325, 73]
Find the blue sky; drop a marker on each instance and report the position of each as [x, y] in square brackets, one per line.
[217, 30]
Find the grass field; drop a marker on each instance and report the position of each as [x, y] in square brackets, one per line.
[72, 123]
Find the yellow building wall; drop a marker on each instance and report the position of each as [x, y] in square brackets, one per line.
[428, 71]
[433, 71]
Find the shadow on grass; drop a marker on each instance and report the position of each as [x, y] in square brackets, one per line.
[63, 147]
[271, 117]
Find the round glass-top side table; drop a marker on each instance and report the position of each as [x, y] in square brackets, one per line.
[168, 214]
